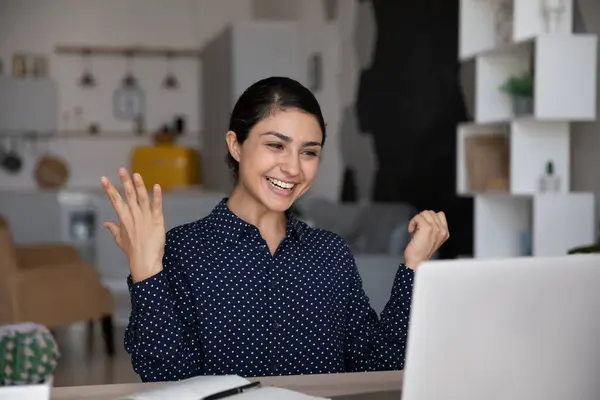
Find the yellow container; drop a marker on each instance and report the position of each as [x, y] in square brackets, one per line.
[171, 166]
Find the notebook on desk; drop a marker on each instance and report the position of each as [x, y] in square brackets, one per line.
[220, 387]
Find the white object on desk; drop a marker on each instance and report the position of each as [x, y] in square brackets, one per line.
[201, 387]
[27, 392]
[516, 328]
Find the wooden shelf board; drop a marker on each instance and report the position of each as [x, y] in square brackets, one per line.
[133, 51]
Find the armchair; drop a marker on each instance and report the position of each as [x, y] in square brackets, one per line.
[50, 284]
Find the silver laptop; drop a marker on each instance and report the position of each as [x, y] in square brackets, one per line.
[511, 329]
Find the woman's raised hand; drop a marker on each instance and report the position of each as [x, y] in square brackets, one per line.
[140, 232]
[430, 231]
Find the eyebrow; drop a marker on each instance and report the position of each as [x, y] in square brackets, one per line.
[288, 139]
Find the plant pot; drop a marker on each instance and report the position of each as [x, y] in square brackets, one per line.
[522, 105]
[40, 391]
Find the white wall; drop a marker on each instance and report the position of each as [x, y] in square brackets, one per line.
[585, 137]
[281, 10]
[37, 26]
[347, 46]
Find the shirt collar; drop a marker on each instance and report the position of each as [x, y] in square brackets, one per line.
[231, 228]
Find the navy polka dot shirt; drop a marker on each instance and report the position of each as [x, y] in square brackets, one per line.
[224, 305]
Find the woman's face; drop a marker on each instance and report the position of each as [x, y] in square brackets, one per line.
[279, 159]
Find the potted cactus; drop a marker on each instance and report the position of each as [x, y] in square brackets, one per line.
[520, 89]
[28, 357]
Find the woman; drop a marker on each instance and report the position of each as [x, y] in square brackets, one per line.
[249, 289]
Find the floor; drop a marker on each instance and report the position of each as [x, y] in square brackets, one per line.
[83, 360]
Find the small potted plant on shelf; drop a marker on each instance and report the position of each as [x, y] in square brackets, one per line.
[520, 88]
[28, 357]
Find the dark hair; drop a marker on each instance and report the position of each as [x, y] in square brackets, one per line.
[265, 98]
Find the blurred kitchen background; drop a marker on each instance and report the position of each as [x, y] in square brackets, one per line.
[88, 86]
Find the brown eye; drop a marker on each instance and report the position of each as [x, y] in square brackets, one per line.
[277, 146]
[311, 153]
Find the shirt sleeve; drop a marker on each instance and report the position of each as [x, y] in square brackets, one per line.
[377, 343]
[161, 335]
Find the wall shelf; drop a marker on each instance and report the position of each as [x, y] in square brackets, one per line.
[479, 18]
[127, 51]
[513, 216]
[503, 223]
[564, 69]
[531, 144]
[63, 135]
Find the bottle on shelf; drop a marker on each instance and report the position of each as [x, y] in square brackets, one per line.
[549, 182]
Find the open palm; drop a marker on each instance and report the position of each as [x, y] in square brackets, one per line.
[140, 232]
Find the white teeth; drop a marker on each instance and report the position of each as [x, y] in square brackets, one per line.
[280, 184]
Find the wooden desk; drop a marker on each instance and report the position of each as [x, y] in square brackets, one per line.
[361, 385]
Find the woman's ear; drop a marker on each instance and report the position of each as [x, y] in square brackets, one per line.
[233, 145]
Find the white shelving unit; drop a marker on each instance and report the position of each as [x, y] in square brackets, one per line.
[517, 218]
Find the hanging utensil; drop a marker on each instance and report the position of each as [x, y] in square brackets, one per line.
[170, 82]
[87, 79]
[10, 159]
[129, 80]
[50, 170]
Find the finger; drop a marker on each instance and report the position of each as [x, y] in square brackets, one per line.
[115, 198]
[437, 233]
[415, 223]
[429, 220]
[142, 193]
[436, 219]
[129, 191]
[113, 228]
[442, 216]
[412, 225]
[418, 223]
[157, 201]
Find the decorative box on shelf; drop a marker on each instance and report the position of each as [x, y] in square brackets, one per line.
[512, 157]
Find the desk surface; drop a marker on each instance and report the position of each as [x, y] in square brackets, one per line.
[361, 385]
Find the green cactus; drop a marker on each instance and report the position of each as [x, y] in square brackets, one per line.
[28, 354]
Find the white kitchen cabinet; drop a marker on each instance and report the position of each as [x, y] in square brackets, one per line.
[28, 105]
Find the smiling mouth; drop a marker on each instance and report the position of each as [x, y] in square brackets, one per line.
[281, 185]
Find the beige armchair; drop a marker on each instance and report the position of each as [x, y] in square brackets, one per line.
[51, 285]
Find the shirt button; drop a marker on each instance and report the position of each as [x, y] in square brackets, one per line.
[276, 325]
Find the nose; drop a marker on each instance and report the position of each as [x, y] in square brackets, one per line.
[290, 165]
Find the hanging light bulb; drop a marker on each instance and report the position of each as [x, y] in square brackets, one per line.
[170, 82]
[87, 79]
[129, 81]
